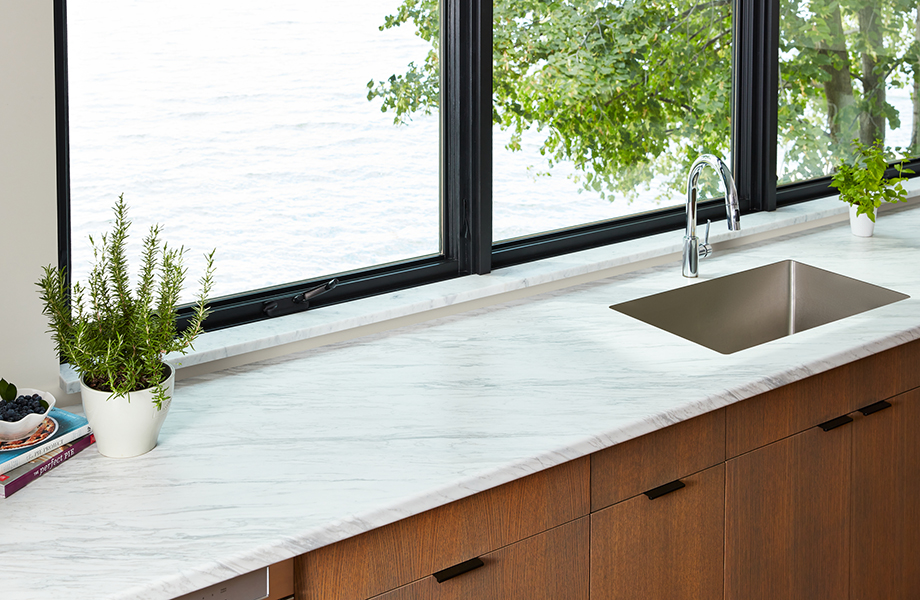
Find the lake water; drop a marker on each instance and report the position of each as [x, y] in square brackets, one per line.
[245, 126]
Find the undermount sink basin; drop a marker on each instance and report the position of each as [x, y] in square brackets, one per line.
[753, 307]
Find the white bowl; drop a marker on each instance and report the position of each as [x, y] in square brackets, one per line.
[25, 426]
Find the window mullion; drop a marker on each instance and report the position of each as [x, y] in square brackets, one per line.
[467, 121]
[450, 130]
[754, 111]
[62, 132]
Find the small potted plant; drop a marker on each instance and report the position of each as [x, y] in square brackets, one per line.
[864, 187]
[117, 343]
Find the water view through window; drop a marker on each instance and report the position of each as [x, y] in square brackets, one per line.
[246, 127]
[249, 127]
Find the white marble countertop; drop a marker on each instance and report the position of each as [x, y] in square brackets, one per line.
[260, 463]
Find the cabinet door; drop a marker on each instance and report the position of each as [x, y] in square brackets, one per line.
[668, 547]
[787, 518]
[550, 566]
[394, 555]
[885, 525]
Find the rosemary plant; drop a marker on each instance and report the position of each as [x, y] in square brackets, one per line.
[118, 340]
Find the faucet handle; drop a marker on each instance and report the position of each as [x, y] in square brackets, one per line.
[705, 248]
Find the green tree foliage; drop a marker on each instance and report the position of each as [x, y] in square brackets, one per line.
[837, 62]
[633, 90]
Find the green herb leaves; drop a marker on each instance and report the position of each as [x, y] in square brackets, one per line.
[115, 338]
[863, 183]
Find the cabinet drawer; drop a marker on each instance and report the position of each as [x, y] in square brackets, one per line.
[669, 547]
[636, 466]
[793, 408]
[396, 554]
[550, 566]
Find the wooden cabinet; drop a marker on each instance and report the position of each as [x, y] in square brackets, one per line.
[550, 566]
[650, 544]
[394, 555]
[786, 517]
[668, 546]
[793, 408]
[830, 512]
[652, 460]
[885, 503]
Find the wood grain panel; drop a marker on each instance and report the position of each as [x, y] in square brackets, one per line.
[885, 521]
[388, 557]
[906, 361]
[793, 408]
[787, 518]
[667, 548]
[638, 465]
[281, 580]
[424, 589]
[550, 566]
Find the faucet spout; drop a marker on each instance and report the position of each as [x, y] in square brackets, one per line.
[692, 251]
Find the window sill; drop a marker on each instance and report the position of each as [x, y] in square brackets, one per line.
[293, 333]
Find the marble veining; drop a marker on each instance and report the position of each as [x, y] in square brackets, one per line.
[266, 461]
[332, 319]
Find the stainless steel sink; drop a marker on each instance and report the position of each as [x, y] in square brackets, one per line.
[746, 309]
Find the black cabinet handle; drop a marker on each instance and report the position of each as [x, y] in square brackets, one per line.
[834, 423]
[874, 408]
[460, 569]
[667, 488]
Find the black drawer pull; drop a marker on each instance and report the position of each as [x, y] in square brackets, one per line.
[464, 567]
[667, 488]
[834, 423]
[874, 408]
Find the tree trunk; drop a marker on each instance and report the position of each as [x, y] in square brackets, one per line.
[872, 117]
[842, 119]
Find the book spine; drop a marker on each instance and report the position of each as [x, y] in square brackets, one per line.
[44, 449]
[6, 490]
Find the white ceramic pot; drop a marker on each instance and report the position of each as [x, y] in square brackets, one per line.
[861, 226]
[126, 427]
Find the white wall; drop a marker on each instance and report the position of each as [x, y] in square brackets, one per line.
[28, 197]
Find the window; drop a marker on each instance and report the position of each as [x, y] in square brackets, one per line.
[847, 72]
[601, 108]
[246, 126]
[274, 110]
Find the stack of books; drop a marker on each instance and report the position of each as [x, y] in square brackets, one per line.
[60, 437]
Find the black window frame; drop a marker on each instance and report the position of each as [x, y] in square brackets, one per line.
[466, 168]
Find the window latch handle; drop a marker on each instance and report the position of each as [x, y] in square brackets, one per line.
[304, 297]
[283, 306]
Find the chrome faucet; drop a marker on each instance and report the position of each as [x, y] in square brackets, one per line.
[693, 250]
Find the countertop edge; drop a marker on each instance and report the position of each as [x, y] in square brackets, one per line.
[305, 541]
